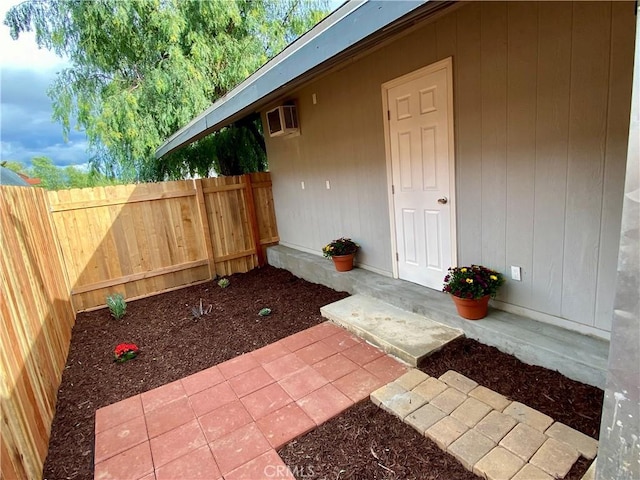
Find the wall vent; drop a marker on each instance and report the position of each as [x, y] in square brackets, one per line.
[283, 120]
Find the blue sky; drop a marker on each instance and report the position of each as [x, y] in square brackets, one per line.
[26, 128]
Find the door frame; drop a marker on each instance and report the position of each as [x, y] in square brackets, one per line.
[447, 65]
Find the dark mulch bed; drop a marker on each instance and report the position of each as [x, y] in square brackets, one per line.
[362, 443]
[173, 345]
[366, 442]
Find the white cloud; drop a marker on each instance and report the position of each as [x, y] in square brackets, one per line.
[23, 52]
[26, 127]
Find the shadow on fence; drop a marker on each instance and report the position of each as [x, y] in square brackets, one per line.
[66, 251]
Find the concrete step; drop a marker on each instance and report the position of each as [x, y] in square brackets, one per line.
[406, 335]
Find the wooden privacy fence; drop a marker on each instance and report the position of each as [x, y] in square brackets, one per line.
[78, 246]
[144, 239]
[35, 331]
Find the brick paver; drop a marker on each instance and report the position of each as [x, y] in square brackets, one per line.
[412, 379]
[555, 458]
[470, 448]
[496, 425]
[489, 434]
[387, 393]
[523, 440]
[458, 381]
[498, 464]
[446, 431]
[531, 472]
[424, 417]
[430, 388]
[494, 399]
[225, 421]
[528, 415]
[471, 411]
[449, 400]
[586, 446]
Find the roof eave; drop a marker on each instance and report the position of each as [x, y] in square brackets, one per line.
[343, 29]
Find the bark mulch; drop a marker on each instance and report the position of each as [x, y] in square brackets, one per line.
[367, 443]
[362, 443]
[173, 345]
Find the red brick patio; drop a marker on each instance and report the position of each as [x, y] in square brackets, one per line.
[228, 420]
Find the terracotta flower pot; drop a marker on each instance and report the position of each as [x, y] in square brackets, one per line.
[343, 263]
[470, 308]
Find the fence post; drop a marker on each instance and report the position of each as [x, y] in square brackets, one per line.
[253, 219]
[204, 222]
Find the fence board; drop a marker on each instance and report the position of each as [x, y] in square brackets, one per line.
[35, 332]
[136, 239]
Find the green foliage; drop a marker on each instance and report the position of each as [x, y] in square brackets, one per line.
[223, 282]
[14, 166]
[341, 246]
[141, 69]
[200, 310]
[472, 282]
[56, 178]
[117, 305]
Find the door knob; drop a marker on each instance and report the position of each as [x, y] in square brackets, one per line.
[443, 200]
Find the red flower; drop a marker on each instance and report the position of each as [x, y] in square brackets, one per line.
[125, 351]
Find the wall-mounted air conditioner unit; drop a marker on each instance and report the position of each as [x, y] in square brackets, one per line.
[282, 120]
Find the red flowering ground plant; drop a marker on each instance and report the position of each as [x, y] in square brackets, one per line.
[474, 282]
[125, 351]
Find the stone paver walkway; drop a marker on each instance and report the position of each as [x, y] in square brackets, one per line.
[227, 421]
[490, 435]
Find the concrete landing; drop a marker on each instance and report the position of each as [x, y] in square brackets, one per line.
[406, 335]
[577, 356]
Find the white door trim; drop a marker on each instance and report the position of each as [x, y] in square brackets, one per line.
[447, 65]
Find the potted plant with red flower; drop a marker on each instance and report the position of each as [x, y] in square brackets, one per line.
[471, 287]
[342, 251]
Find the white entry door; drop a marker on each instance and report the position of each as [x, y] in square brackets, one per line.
[421, 151]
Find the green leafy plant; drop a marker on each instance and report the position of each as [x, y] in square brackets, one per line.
[200, 310]
[264, 312]
[223, 282]
[117, 305]
[472, 282]
[125, 351]
[341, 246]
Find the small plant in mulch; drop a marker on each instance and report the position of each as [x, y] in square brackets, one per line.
[117, 305]
[264, 312]
[200, 310]
[223, 282]
[125, 351]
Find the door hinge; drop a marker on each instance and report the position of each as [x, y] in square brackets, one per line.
[388, 114]
[393, 189]
[397, 257]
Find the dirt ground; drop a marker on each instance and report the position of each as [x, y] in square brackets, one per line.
[173, 345]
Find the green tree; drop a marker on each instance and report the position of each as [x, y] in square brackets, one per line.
[15, 166]
[53, 177]
[141, 69]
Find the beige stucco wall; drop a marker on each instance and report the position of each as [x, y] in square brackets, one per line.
[541, 113]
